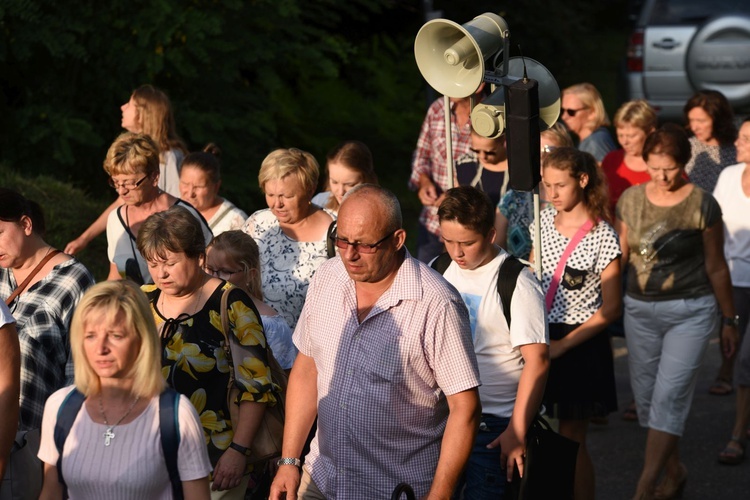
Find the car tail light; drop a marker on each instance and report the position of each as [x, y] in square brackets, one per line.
[635, 51]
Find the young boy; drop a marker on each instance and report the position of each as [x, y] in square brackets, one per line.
[513, 361]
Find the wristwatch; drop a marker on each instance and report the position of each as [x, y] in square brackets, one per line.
[731, 321]
[289, 461]
[236, 447]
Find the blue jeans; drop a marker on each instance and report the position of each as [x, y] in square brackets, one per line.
[483, 478]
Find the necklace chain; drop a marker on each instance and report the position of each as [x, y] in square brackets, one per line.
[108, 434]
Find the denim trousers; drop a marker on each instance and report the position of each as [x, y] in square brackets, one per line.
[483, 477]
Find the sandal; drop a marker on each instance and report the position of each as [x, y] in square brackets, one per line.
[631, 413]
[734, 452]
[721, 387]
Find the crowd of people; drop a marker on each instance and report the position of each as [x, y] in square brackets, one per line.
[155, 382]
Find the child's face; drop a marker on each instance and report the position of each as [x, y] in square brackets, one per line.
[468, 248]
[563, 190]
[219, 264]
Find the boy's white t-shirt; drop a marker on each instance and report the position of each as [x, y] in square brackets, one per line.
[497, 349]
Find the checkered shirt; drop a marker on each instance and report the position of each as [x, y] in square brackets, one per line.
[429, 157]
[43, 313]
[382, 384]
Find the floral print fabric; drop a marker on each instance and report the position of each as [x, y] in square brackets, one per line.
[194, 362]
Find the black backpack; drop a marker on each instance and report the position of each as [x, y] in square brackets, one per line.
[169, 427]
[507, 277]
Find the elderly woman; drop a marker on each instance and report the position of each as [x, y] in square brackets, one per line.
[710, 121]
[10, 370]
[349, 164]
[292, 232]
[677, 280]
[626, 167]
[584, 114]
[148, 111]
[200, 180]
[186, 304]
[132, 164]
[41, 287]
[112, 447]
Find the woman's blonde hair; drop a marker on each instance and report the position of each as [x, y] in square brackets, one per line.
[282, 162]
[156, 118]
[638, 113]
[592, 99]
[113, 298]
[559, 133]
[242, 248]
[132, 153]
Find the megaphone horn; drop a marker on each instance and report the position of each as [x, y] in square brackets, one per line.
[451, 56]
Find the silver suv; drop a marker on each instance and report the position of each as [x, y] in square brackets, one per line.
[681, 46]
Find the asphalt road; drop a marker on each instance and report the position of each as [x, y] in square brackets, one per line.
[617, 448]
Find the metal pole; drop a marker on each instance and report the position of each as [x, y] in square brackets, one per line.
[448, 141]
[537, 236]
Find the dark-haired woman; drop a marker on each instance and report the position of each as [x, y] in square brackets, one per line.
[200, 181]
[671, 235]
[41, 287]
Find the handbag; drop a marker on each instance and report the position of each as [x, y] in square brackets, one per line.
[549, 467]
[23, 475]
[267, 441]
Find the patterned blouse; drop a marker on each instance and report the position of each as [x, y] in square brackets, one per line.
[518, 208]
[707, 162]
[287, 265]
[194, 364]
[43, 313]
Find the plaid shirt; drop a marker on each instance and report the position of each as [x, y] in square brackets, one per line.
[430, 156]
[382, 383]
[43, 313]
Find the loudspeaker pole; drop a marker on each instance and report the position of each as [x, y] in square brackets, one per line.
[448, 140]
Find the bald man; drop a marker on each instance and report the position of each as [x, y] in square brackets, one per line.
[386, 363]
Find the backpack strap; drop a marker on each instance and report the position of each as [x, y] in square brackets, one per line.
[169, 427]
[441, 262]
[66, 415]
[507, 277]
[330, 244]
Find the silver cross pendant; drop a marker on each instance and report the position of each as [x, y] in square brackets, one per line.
[108, 436]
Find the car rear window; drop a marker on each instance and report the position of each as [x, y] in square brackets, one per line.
[691, 12]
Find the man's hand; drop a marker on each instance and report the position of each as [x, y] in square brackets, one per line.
[427, 192]
[512, 451]
[730, 338]
[285, 483]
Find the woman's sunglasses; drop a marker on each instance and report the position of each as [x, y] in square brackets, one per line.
[571, 112]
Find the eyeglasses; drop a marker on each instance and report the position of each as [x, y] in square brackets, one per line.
[223, 274]
[343, 244]
[548, 149]
[486, 153]
[570, 111]
[129, 185]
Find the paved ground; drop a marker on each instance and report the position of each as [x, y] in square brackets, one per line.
[617, 448]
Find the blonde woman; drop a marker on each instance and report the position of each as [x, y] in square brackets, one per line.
[584, 114]
[113, 448]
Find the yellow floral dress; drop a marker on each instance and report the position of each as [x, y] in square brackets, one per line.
[194, 363]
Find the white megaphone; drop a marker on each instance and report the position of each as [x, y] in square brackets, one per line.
[451, 56]
[488, 117]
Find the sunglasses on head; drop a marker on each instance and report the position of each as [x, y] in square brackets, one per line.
[570, 111]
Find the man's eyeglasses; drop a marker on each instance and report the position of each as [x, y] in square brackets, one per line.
[570, 111]
[486, 153]
[223, 274]
[129, 185]
[343, 244]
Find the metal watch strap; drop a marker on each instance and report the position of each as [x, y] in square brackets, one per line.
[289, 461]
[236, 447]
[731, 320]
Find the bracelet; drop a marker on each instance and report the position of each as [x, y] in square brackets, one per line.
[242, 449]
[731, 321]
[289, 461]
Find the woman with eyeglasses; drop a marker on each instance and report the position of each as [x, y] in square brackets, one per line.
[234, 256]
[515, 211]
[671, 235]
[292, 233]
[148, 111]
[132, 163]
[584, 114]
[485, 166]
[200, 180]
